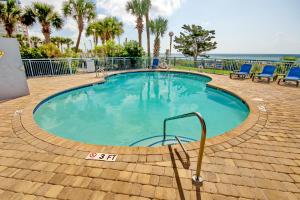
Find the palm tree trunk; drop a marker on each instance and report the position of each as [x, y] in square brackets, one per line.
[46, 32]
[156, 47]
[139, 27]
[170, 45]
[80, 29]
[47, 37]
[96, 41]
[9, 29]
[148, 34]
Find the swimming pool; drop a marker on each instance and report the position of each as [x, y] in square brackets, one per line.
[129, 108]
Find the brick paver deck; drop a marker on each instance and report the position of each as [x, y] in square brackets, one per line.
[258, 160]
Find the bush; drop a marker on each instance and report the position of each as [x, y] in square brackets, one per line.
[44, 51]
[69, 53]
[109, 49]
[32, 53]
[132, 49]
[51, 50]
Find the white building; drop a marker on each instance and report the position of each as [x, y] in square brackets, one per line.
[20, 28]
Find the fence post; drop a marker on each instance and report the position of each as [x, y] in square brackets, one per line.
[30, 67]
[174, 61]
[51, 67]
[70, 65]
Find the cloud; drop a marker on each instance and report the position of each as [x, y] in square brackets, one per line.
[57, 4]
[118, 8]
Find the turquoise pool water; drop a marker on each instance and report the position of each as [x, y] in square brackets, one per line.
[129, 109]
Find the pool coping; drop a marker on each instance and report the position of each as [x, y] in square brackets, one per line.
[26, 128]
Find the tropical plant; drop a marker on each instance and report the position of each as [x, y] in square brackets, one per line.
[68, 42]
[138, 9]
[147, 5]
[70, 54]
[35, 41]
[158, 28]
[194, 41]
[50, 50]
[81, 11]
[109, 49]
[107, 29]
[56, 40]
[91, 31]
[111, 28]
[132, 49]
[22, 40]
[32, 53]
[10, 14]
[47, 17]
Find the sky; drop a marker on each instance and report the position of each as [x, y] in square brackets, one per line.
[242, 26]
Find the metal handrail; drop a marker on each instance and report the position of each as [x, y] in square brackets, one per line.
[197, 179]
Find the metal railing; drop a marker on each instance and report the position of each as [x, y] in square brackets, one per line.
[197, 179]
[68, 66]
[230, 64]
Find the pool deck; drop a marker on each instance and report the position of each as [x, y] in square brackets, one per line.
[260, 159]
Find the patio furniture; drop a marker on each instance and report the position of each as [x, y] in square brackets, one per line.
[268, 73]
[244, 72]
[155, 63]
[163, 65]
[293, 75]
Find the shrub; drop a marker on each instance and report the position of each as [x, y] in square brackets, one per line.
[32, 53]
[132, 49]
[51, 50]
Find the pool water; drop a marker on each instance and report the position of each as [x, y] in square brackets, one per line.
[129, 110]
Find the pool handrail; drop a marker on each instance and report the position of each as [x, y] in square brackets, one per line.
[197, 179]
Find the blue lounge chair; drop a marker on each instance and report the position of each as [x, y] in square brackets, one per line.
[243, 72]
[292, 75]
[268, 73]
[155, 63]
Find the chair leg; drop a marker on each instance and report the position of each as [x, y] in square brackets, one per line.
[253, 77]
[279, 81]
[297, 83]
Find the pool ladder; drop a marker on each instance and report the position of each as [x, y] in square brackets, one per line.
[197, 179]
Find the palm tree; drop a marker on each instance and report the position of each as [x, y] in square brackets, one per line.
[147, 5]
[56, 40]
[91, 31]
[10, 14]
[112, 28]
[22, 39]
[81, 11]
[171, 34]
[106, 29]
[138, 9]
[69, 42]
[35, 40]
[158, 28]
[46, 16]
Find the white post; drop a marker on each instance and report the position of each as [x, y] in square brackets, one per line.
[51, 67]
[70, 65]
